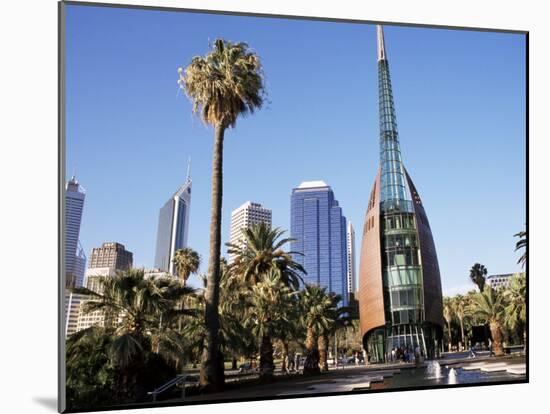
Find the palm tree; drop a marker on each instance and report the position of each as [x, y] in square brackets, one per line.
[340, 319]
[318, 310]
[261, 256]
[260, 252]
[133, 306]
[515, 312]
[489, 306]
[459, 310]
[477, 275]
[448, 316]
[288, 327]
[223, 85]
[187, 261]
[522, 244]
[269, 300]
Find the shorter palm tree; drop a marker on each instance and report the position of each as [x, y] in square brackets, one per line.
[489, 306]
[478, 272]
[459, 310]
[318, 314]
[522, 244]
[187, 261]
[132, 307]
[516, 307]
[448, 316]
[262, 251]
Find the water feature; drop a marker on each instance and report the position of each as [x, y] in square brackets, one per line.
[452, 377]
[436, 373]
[433, 370]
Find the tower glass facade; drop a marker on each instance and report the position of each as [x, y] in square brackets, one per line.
[75, 260]
[319, 227]
[173, 227]
[400, 262]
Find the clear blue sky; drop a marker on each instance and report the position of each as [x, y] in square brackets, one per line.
[460, 102]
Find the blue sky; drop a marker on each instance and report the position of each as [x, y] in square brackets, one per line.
[460, 103]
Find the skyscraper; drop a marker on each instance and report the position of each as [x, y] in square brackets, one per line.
[350, 237]
[400, 297]
[173, 226]
[244, 217]
[112, 255]
[319, 227]
[75, 260]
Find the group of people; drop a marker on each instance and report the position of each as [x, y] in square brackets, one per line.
[406, 354]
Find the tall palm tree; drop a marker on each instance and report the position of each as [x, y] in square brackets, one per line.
[478, 272]
[522, 244]
[223, 85]
[187, 261]
[459, 310]
[318, 314]
[448, 316]
[515, 312]
[489, 305]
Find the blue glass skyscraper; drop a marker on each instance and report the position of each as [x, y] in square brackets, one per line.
[319, 227]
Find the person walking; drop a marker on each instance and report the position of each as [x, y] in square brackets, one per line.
[291, 362]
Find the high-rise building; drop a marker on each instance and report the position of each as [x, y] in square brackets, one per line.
[350, 237]
[244, 217]
[499, 281]
[173, 226]
[400, 298]
[74, 204]
[72, 309]
[319, 229]
[105, 261]
[113, 255]
[93, 282]
[79, 266]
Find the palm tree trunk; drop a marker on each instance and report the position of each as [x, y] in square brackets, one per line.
[462, 332]
[212, 376]
[323, 350]
[450, 337]
[311, 365]
[496, 333]
[266, 358]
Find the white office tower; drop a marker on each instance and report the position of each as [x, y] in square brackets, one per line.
[350, 237]
[93, 282]
[246, 216]
[173, 226]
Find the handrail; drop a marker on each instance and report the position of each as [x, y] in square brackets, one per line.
[174, 381]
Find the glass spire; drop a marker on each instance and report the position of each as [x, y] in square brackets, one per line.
[394, 192]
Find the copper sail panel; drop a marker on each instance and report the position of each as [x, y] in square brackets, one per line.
[371, 298]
